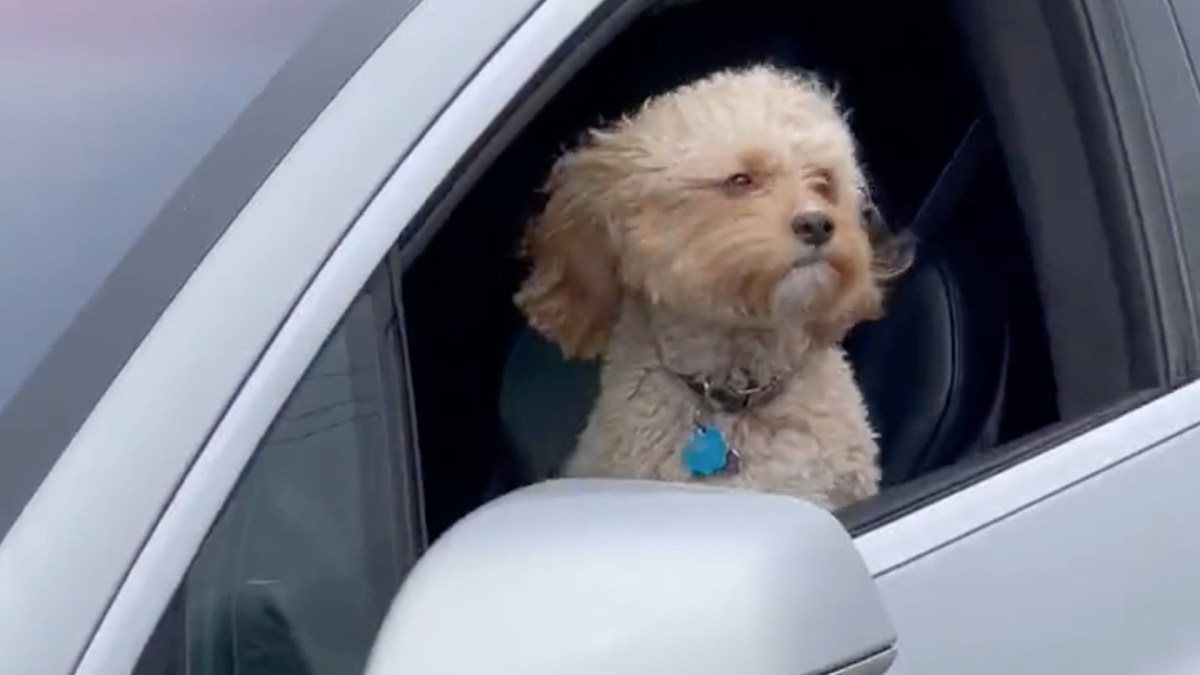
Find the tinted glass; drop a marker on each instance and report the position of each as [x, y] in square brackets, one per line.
[107, 107]
[299, 569]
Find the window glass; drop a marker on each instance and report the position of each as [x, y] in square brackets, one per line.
[301, 566]
[107, 107]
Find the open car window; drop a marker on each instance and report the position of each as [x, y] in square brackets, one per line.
[977, 363]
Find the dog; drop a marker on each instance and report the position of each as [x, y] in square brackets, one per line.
[714, 248]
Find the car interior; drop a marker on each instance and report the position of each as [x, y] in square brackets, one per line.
[959, 366]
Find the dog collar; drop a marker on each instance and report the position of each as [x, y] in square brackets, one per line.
[733, 400]
[707, 451]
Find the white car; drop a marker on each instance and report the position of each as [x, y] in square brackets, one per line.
[266, 406]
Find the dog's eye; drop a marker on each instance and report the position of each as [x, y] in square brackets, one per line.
[822, 182]
[739, 180]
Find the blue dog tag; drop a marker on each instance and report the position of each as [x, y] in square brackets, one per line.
[706, 453]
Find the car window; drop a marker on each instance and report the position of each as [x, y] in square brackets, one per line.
[132, 134]
[300, 567]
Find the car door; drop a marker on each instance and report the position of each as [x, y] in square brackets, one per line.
[1083, 559]
[987, 526]
[1028, 570]
[106, 524]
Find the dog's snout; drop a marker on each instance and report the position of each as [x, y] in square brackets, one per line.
[814, 227]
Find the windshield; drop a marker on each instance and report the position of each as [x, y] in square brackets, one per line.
[132, 132]
[107, 108]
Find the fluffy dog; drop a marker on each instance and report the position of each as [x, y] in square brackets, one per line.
[714, 248]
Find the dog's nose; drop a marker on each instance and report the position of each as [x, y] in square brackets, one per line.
[814, 228]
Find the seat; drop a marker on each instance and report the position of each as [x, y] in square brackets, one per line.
[931, 371]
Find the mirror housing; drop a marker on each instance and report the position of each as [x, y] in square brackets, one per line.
[598, 577]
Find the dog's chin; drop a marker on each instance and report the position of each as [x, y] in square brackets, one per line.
[806, 285]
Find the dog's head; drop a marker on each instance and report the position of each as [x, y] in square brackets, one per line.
[737, 199]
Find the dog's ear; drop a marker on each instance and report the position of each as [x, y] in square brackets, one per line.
[862, 303]
[572, 294]
[891, 255]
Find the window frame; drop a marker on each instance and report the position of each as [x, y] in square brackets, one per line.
[95, 554]
[1151, 102]
[1137, 183]
[169, 640]
[1054, 115]
[409, 515]
[1148, 289]
[1105, 173]
[1155, 351]
[146, 590]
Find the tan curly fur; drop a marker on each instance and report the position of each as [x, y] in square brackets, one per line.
[667, 246]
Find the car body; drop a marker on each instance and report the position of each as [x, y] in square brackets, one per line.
[123, 447]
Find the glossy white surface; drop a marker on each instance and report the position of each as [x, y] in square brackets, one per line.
[1029, 482]
[636, 578]
[1102, 577]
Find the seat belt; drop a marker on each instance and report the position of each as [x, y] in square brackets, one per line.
[952, 183]
[973, 153]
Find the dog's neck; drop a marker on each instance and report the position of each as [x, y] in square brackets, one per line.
[726, 356]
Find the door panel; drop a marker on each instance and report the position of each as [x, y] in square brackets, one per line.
[1100, 577]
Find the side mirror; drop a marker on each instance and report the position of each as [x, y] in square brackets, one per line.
[638, 578]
